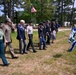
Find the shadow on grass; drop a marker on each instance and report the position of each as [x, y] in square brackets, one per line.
[57, 55]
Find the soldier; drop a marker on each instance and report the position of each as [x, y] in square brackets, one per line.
[7, 31]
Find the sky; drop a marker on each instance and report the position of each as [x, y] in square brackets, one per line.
[22, 9]
[1, 13]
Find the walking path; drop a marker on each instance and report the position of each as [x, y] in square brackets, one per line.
[63, 29]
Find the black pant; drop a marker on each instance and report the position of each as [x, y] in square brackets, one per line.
[48, 39]
[30, 43]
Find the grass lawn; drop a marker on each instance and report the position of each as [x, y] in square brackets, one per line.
[53, 61]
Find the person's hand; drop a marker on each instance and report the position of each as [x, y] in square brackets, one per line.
[21, 39]
[47, 33]
[40, 37]
[4, 43]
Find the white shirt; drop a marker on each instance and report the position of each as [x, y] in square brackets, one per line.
[1, 34]
[29, 29]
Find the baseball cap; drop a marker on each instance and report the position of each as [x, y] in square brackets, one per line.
[41, 23]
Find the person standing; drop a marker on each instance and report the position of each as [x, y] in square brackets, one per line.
[53, 31]
[48, 32]
[7, 31]
[21, 36]
[44, 29]
[41, 36]
[72, 40]
[30, 36]
[57, 26]
[2, 44]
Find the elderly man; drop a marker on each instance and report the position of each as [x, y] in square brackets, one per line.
[21, 36]
[7, 31]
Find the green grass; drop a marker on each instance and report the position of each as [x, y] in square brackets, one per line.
[53, 61]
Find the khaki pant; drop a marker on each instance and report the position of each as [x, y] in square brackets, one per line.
[10, 49]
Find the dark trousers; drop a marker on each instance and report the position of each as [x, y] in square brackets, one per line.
[42, 40]
[48, 39]
[20, 46]
[30, 43]
[2, 55]
[45, 37]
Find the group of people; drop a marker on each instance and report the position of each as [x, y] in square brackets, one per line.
[21, 36]
[46, 31]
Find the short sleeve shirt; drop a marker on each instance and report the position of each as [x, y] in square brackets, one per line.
[29, 29]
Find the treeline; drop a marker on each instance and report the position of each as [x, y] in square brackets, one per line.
[61, 10]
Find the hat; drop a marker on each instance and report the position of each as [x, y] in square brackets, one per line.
[30, 21]
[44, 21]
[8, 20]
[22, 21]
[41, 23]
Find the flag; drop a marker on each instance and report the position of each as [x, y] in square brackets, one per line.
[33, 10]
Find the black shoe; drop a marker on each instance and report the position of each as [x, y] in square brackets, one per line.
[34, 51]
[69, 50]
[6, 64]
[14, 57]
[52, 42]
[40, 49]
[44, 48]
[25, 52]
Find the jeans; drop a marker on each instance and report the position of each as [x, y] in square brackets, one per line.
[48, 39]
[2, 55]
[21, 42]
[42, 40]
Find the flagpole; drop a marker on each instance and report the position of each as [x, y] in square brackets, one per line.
[30, 9]
[31, 12]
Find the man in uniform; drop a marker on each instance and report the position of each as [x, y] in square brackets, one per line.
[7, 31]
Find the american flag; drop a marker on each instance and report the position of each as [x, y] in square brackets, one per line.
[33, 10]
